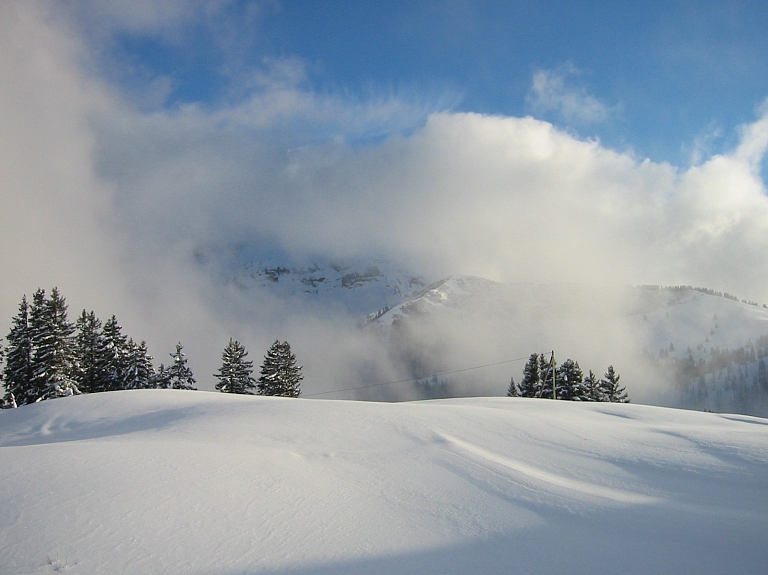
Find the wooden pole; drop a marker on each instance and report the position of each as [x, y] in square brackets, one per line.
[552, 370]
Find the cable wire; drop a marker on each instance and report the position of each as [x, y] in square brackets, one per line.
[413, 378]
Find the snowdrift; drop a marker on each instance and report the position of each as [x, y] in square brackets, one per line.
[163, 481]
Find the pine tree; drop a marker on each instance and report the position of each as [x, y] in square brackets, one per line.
[138, 367]
[37, 330]
[531, 382]
[89, 352]
[548, 371]
[159, 380]
[10, 400]
[115, 356]
[611, 389]
[18, 365]
[53, 360]
[592, 387]
[570, 381]
[178, 374]
[512, 390]
[235, 373]
[279, 373]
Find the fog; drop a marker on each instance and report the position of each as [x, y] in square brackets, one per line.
[110, 199]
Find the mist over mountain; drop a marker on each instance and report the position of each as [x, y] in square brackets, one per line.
[422, 333]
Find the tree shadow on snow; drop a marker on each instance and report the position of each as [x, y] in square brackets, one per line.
[59, 430]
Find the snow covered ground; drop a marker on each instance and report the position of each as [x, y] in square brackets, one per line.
[163, 481]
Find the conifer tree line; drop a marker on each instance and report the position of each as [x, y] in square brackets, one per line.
[46, 356]
[569, 382]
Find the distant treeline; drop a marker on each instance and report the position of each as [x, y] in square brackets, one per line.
[720, 379]
[723, 294]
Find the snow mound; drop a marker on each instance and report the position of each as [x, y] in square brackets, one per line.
[165, 481]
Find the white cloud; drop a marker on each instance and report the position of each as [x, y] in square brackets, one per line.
[554, 91]
[507, 198]
[60, 221]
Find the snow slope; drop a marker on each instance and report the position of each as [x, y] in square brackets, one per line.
[688, 318]
[164, 481]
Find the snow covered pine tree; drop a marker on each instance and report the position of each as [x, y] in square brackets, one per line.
[53, 348]
[178, 375]
[18, 359]
[8, 400]
[611, 389]
[235, 373]
[531, 381]
[114, 356]
[592, 386]
[570, 381]
[512, 389]
[279, 373]
[140, 372]
[89, 345]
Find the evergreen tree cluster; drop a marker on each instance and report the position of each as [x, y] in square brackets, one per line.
[279, 373]
[47, 356]
[543, 378]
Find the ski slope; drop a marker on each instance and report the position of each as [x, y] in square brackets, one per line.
[166, 481]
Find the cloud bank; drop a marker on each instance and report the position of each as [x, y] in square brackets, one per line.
[110, 201]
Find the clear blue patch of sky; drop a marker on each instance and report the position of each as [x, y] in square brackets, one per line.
[671, 71]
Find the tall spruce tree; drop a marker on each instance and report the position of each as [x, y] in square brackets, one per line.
[18, 359]
[548, 371]
[53, 360]
[531, 381]
[570, 381]
[235, 373]
[512, 390]
[90, 365]
[159, 380]
[611, 389]
[138, 367]
[10, 400]
[592, 387]
[178, 374]
[115, 356]
[279, 373]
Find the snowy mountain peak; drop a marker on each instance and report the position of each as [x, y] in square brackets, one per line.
[360, 286]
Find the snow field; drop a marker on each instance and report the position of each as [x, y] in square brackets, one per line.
[168, 481]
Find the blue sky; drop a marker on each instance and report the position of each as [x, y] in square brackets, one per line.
[670, 76]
